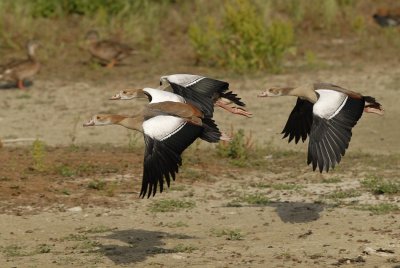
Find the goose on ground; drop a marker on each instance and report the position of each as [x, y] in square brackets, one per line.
[326, 113]
[107, 51]
[196, 89]
[169, 126]
[18, 70]
[387, 17]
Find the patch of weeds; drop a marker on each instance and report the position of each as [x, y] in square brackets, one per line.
[228, 233]
[184, 248]
[238, 149]
[339, 194]
[234, 204]
[75, 237]
[332, 180]
[133, 140]
[97, 185]
[43, 248]
[65, 171]
[241, 39]
[87, 245]
[111, 188]
[260, 185]
[379, 186]
[177, 224]
[98, 229]
[255, 199]
[38, 155]
[286, 186]
[178, 188]
[383, 208]
[24, 96]
[65, 192]
[14, 251]
[171, 205]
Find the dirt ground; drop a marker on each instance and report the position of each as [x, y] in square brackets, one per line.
[79, 205]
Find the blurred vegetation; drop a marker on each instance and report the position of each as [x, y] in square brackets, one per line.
[241, 40]
[238, 35]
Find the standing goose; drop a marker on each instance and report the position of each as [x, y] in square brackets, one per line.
[169, 127]
[197, 90]
[18, 70]
[106, 50]
[326, 113]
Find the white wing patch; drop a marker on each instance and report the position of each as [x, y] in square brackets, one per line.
[184, 80]
[329, 103]
[161, 96]
[162, 126]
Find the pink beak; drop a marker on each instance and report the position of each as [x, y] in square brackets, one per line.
[116, 97]
[89, 123]
[263, 94]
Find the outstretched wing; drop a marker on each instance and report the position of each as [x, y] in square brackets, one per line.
[299, 121]
[162, 158]
[331, 129]
[198, 89]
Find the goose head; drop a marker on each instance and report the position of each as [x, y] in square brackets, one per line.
[129, 94]
[31, 47]
[92, 36]
[101, 120]
[273, 92]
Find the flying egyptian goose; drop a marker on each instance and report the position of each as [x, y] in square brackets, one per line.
[326, 113]
[196, 89]
[106, 50]
[18, 70]
[169, 126]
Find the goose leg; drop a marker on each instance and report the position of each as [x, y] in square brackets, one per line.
[111, 63]
[374, 110]
[234, 110]
[21, 84]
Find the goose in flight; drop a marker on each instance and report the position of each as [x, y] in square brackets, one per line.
[169, 126]
[326, 113]
[18, 70]
[107, 51]
[197, 90]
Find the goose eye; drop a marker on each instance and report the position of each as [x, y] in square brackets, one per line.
[97, 117]
[124, 92]
[160, 83]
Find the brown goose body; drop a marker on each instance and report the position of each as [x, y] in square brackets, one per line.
[107, 51]
[19, 70]
[325, 113]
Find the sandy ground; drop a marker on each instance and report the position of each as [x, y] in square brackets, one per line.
[295, 227]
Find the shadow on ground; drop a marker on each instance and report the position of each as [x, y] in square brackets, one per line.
[139, 245]
[297, 212]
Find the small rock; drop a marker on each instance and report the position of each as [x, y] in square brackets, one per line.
[75, 209]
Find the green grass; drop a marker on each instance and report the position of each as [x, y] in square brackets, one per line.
[383, 208]
[171, 205]
[254, 199]
[38, 152]
[14, 251]
[184, 248]
[98, 229]
[342, 194]
[97, 185]
[228, 234]
[286, 186]
[332, 180]
[379, 186]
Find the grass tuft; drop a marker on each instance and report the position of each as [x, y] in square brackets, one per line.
[383, 208]
[379, 186]
[171, 205]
